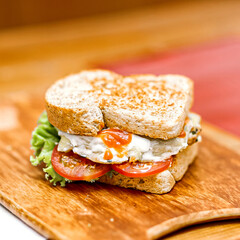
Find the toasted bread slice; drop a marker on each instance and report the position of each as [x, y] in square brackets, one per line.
[149, 105]
[159, 183]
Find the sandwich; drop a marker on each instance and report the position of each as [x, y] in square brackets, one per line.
[133, 132]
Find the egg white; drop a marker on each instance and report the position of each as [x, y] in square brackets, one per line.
[142, 148]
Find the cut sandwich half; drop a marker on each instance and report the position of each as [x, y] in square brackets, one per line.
[134, 132]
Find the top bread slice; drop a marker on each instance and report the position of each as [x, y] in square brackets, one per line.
[148, 105]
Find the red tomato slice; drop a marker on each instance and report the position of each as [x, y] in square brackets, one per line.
[138, 169]
[75, 167]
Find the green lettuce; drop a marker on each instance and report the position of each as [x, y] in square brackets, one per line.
[44, 139]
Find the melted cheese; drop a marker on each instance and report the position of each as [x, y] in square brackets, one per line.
[141, 148]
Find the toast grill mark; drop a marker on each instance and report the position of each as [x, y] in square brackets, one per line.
[117, 139]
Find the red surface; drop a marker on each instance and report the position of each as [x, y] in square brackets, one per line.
[215, 70]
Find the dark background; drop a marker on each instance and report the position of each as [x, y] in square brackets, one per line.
[26, 12]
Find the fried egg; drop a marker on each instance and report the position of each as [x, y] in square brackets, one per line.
[142, 149]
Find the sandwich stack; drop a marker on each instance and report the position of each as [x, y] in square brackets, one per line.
[134, 132]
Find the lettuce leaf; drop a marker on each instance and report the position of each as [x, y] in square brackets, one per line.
[44, 139]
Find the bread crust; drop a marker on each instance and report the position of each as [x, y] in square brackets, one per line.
[159, 183]
[81, 116]
[76, 121]
[148, 105]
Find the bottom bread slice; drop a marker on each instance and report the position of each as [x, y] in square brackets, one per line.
[159, 183]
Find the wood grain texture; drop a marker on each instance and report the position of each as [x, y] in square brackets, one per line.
[228, 229]
[183, 221]
[90, 211]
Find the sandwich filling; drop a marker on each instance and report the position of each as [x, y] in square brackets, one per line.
[151, 110]
[114, 146]
[70, 157]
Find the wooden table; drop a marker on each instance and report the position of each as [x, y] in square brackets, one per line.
[33, 57]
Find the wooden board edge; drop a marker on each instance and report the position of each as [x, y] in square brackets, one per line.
[183, 221]
[221, 137]
[31, 220]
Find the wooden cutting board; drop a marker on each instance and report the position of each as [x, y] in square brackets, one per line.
[99, 211]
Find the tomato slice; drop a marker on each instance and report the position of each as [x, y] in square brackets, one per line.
[138, 169]
[74, 167]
